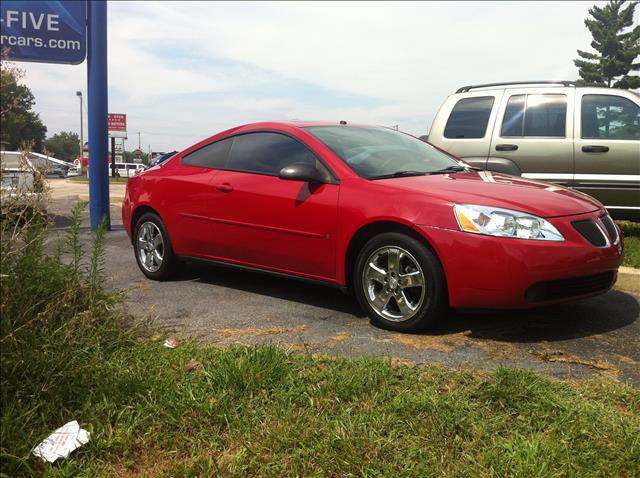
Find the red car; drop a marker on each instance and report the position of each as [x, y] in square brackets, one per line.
[410, 229]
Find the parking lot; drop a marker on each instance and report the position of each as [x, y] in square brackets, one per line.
[598, 336]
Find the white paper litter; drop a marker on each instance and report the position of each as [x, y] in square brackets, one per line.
[171, 343]
[62, 442]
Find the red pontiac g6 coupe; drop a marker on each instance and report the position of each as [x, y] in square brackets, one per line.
[410, 229]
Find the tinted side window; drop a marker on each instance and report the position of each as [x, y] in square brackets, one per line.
[535, 116]
[609, 116]
[513, 120]
[469, 118]
[267, 153]
[212, 156]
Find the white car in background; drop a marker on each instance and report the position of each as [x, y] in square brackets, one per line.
[127, 170]
[47, 165]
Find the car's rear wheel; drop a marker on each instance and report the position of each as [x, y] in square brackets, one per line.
[399, 282]
[153, 250]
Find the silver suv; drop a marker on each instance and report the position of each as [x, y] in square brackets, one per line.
[581, 137]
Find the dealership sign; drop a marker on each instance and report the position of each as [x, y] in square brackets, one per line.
[44, 32]
[117, 125]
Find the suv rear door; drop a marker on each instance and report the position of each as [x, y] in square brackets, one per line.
[607, 146]
[533, 134]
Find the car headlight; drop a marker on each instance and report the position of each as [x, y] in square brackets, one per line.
[495, 221]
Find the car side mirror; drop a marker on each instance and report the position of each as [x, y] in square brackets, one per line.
[301, 172]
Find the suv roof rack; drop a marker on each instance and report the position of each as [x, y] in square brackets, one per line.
[464, 89]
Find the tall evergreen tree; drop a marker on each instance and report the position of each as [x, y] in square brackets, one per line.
[617, 47]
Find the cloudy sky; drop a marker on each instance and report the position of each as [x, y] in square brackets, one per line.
[183, 71]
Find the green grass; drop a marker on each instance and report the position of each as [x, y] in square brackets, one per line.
[631, 231]
[262, 412]
[67, 352]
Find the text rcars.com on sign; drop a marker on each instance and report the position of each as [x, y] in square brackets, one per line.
[46, 32]
[48, 22]
[13, 40]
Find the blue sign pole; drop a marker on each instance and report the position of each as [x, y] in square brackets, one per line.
[98, 111]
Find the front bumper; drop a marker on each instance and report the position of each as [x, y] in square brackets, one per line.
[495, 272]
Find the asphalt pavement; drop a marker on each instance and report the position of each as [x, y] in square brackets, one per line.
[599, 336]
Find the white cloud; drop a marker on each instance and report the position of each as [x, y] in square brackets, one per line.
[183, 70]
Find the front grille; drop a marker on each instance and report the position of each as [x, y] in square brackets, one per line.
[566, 288]
[591, 232]
[608, 224]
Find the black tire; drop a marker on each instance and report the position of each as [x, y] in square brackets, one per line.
[434, 302]
[170, 264]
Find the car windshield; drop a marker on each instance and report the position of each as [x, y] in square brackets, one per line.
[377, 153]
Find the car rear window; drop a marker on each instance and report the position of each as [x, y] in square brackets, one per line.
[213, 155]
[535, 116]
[469, 118]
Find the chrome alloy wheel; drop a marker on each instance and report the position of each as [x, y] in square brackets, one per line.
[150, 246]
[394, 284]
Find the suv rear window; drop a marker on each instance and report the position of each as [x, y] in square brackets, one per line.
[469, 118]
[535, 116]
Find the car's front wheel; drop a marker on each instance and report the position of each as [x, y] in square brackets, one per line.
[399, 282]
[153, 250]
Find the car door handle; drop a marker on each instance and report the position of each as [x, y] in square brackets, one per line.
[595, 149]
[224, 187]
[506, 147]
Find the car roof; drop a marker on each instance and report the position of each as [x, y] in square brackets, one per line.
[298, 124]
[530, 86]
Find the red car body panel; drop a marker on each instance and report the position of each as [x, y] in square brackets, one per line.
[291, 227]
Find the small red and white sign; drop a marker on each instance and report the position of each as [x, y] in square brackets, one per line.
[117, 125]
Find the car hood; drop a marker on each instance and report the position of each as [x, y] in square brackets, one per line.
[487, 188]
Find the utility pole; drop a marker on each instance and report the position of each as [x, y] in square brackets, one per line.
[139, 147]
[79, 95]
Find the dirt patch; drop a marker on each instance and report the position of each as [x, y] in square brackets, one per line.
[258, 332]
[298, 347]
[560, 356]
[627, 360]
[341, 337]
[399, 362]
[150, 463]
[194, 366]
[430, 342]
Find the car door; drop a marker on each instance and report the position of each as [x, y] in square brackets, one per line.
[264, 221]
[607, 147]
[534, 134]
[188, 194]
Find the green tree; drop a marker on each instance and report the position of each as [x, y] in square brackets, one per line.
[617, 47]
[20, 124]
[130, 158]
[64, 145]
